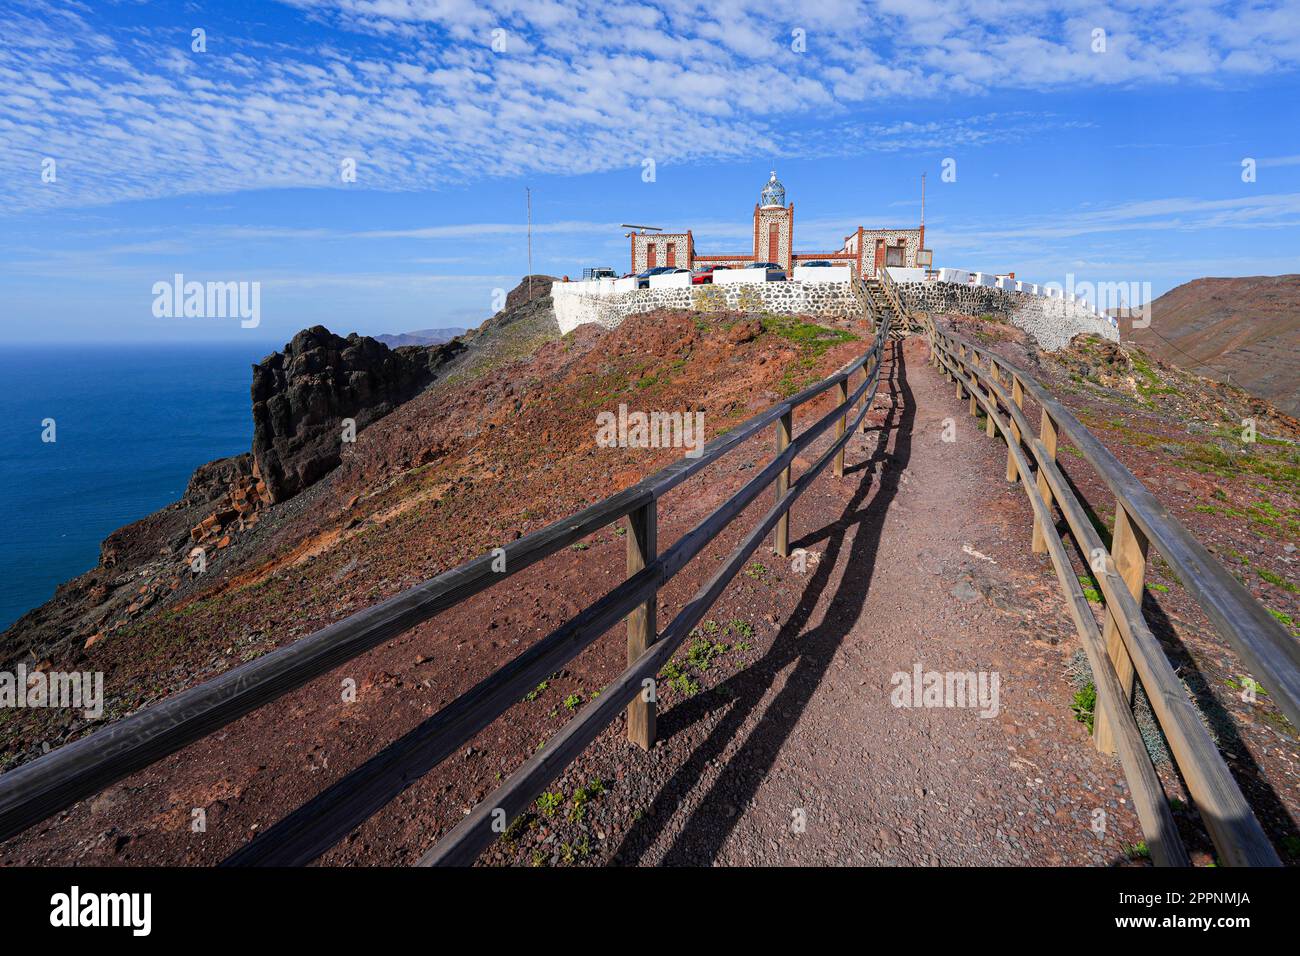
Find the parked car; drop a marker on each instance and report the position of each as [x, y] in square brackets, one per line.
[818, 262]
[774, 271]
[703, 275]
[643, 278]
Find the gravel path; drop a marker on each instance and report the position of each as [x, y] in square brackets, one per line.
[780, 747]
[800, 757]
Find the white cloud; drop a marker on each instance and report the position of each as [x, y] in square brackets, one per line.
[412, 90]
[1265, 211]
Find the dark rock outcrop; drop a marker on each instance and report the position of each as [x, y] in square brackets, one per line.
[531, 287]
[302, 396]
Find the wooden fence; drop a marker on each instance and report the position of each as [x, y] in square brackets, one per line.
[57, 780]
[1123, 648]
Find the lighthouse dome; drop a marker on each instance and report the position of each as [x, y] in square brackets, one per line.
[773, 193]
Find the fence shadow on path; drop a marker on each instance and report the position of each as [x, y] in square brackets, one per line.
[810, 651]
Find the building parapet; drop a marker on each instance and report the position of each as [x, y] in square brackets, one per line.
[1052, 320]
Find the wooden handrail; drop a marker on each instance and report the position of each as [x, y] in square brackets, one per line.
[464, 842]
[55, 781]
[890, 288]
[1154, 814]
[1263, 644]
[325, 819]
[1233, 827]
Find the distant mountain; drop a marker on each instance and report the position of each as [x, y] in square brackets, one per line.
[420, 337]
[1244, 330]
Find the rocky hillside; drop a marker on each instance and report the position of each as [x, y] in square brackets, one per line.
[300, 397]
[1245, 330]
[500, 444]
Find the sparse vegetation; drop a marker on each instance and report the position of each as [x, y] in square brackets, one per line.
[679, 680]
[549, 802]
[1138, 851]
[1284, 618]
[1085, 705]
[1276, 580]
[812, 339]
[702, 653]
[583, 796]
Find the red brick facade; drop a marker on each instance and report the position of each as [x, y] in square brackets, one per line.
[866, 250]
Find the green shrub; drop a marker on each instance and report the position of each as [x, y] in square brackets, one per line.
[1085, 705]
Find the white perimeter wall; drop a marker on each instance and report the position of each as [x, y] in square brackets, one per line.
[732, 276]
[821, 273]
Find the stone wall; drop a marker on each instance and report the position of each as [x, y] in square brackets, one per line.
[574, 306]
[1052, 322]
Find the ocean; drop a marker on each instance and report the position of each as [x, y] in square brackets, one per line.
[131, 423]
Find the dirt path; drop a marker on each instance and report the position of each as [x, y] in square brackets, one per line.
[918, 556]
[926, 564]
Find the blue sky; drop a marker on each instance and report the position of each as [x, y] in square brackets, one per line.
[224, 165]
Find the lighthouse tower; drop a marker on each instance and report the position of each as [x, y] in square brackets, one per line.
[774, 226]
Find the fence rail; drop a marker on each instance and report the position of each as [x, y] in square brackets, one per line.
[1120, 650]
[57, 780]
[1123, 648]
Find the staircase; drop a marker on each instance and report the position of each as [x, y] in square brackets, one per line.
[883, 300]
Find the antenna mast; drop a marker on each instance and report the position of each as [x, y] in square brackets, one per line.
[528, 198]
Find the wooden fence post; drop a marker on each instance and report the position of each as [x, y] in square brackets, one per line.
[1017, 396]
[783, 431]
[642, 631]
[989, 428]
[1047, 434]
[841, 399]
[961, 364]
[975, 381]
[867, 397]
[1128, 548]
